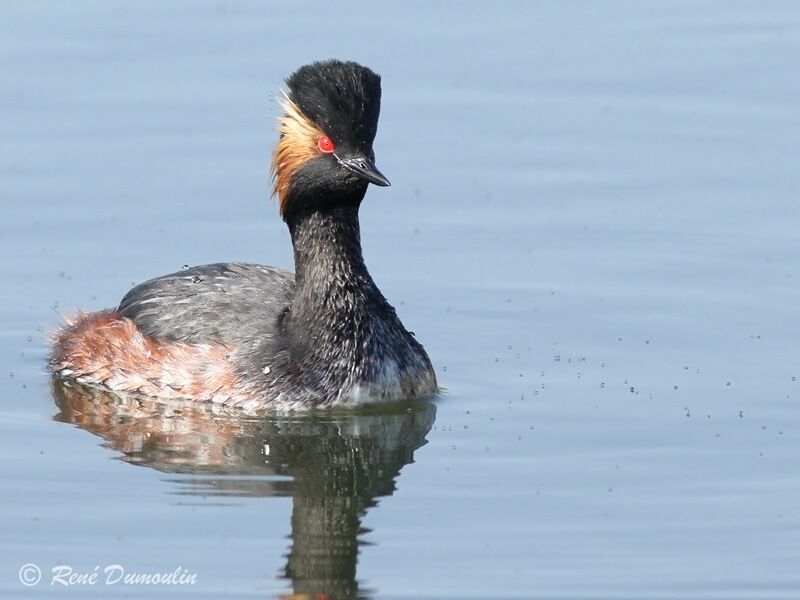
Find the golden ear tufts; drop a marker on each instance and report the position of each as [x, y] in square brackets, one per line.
[296, 146]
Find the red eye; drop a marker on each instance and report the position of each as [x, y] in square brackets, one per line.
[325, 144]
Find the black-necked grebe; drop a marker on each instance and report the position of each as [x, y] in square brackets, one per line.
[259, 337]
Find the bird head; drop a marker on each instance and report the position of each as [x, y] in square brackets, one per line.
[324, 155]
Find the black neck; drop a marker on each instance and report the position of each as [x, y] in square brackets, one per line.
[340, 335]
[334, 291]
[327, 245]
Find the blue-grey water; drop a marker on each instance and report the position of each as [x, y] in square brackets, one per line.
[593, 228]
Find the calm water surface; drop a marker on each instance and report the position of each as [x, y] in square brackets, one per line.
[593, 228]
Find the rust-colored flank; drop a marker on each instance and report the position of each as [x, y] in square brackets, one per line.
[107, 348]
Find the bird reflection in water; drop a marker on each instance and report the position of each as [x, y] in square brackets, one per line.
[334, 466]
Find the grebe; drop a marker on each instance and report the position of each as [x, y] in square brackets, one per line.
[260, 337]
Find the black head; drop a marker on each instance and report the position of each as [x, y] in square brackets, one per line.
[325, 151]
[342, 98]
